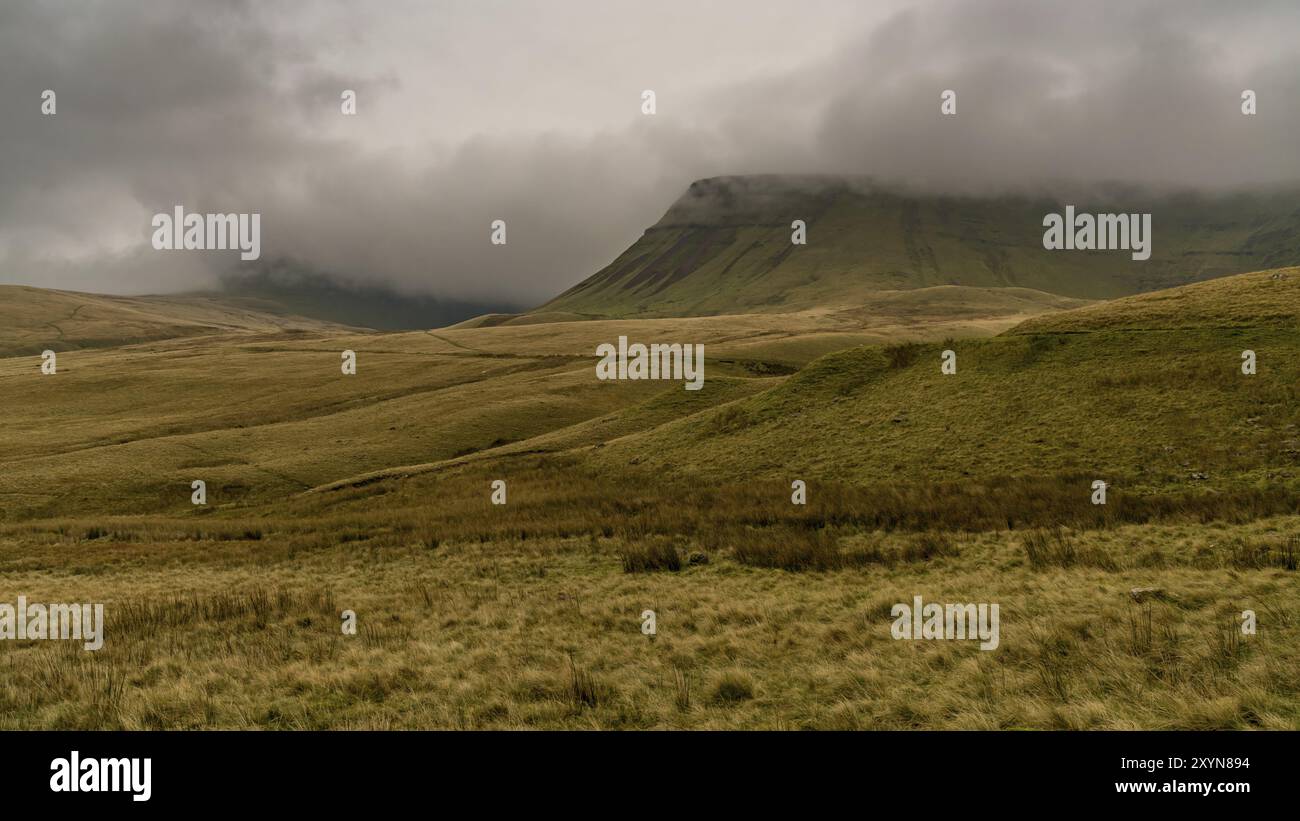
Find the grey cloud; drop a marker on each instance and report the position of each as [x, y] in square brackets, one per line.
[233, 107]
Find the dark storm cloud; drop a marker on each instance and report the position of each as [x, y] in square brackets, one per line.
[475, 112]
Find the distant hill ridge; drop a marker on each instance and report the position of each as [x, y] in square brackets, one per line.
[725, 246]
[36, 319]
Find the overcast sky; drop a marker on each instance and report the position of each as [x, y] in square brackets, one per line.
[531, 112]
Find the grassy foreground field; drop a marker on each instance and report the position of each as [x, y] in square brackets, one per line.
[526, 617]
[372, 494]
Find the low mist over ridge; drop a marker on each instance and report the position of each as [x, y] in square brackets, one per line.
[359, 304]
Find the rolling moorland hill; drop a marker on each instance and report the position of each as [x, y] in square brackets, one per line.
[1257, 300]
[266, 415]
[256, 405]
[724, 247]
[1145, 392]
[37, 319]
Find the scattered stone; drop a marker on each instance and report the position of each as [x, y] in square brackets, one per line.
[1141, 594]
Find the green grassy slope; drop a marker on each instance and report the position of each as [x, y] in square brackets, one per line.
[724, 247]
[1144, 401]
[264, 415]
[1259, 299]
